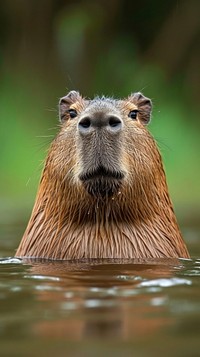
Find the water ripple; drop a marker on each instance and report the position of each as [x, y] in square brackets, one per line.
[163, 283]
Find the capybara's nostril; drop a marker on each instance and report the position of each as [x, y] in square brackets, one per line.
[84, 124]
[114, 123]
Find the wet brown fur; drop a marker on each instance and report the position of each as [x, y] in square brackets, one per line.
[136, 221]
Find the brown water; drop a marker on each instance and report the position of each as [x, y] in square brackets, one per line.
[99, 308]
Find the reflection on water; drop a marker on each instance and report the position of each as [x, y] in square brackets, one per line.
[94, 308]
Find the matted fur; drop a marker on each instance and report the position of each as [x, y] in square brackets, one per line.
[136, 221]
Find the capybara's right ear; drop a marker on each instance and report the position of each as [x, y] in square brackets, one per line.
[144, 106]
[66, 102]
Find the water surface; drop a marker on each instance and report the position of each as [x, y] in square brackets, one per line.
[96, 308]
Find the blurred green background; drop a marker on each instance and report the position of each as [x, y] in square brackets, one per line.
[110, 47]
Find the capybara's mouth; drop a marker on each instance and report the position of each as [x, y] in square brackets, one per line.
[102, 187]
[102, 182]
[101, 172]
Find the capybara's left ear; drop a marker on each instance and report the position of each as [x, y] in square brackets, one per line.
[66, 102]
[144, 106]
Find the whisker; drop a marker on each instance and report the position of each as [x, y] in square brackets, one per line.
[44, 136]
[51, 110]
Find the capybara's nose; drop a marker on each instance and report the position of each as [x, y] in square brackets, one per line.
[112, 123]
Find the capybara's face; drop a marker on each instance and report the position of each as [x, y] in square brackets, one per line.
[103, 192]
[102, 141]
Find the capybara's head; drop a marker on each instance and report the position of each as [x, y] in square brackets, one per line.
[103, 192]
[104, 142]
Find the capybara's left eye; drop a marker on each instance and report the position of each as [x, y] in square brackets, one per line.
[72, 113]
[133, 114]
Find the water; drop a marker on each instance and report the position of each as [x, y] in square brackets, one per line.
[99, 308]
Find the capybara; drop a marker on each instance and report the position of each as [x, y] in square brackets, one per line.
[103, 191]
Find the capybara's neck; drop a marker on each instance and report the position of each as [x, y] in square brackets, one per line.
[137, 222]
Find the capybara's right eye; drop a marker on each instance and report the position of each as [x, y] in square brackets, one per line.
[133, 114]
[72, 113]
